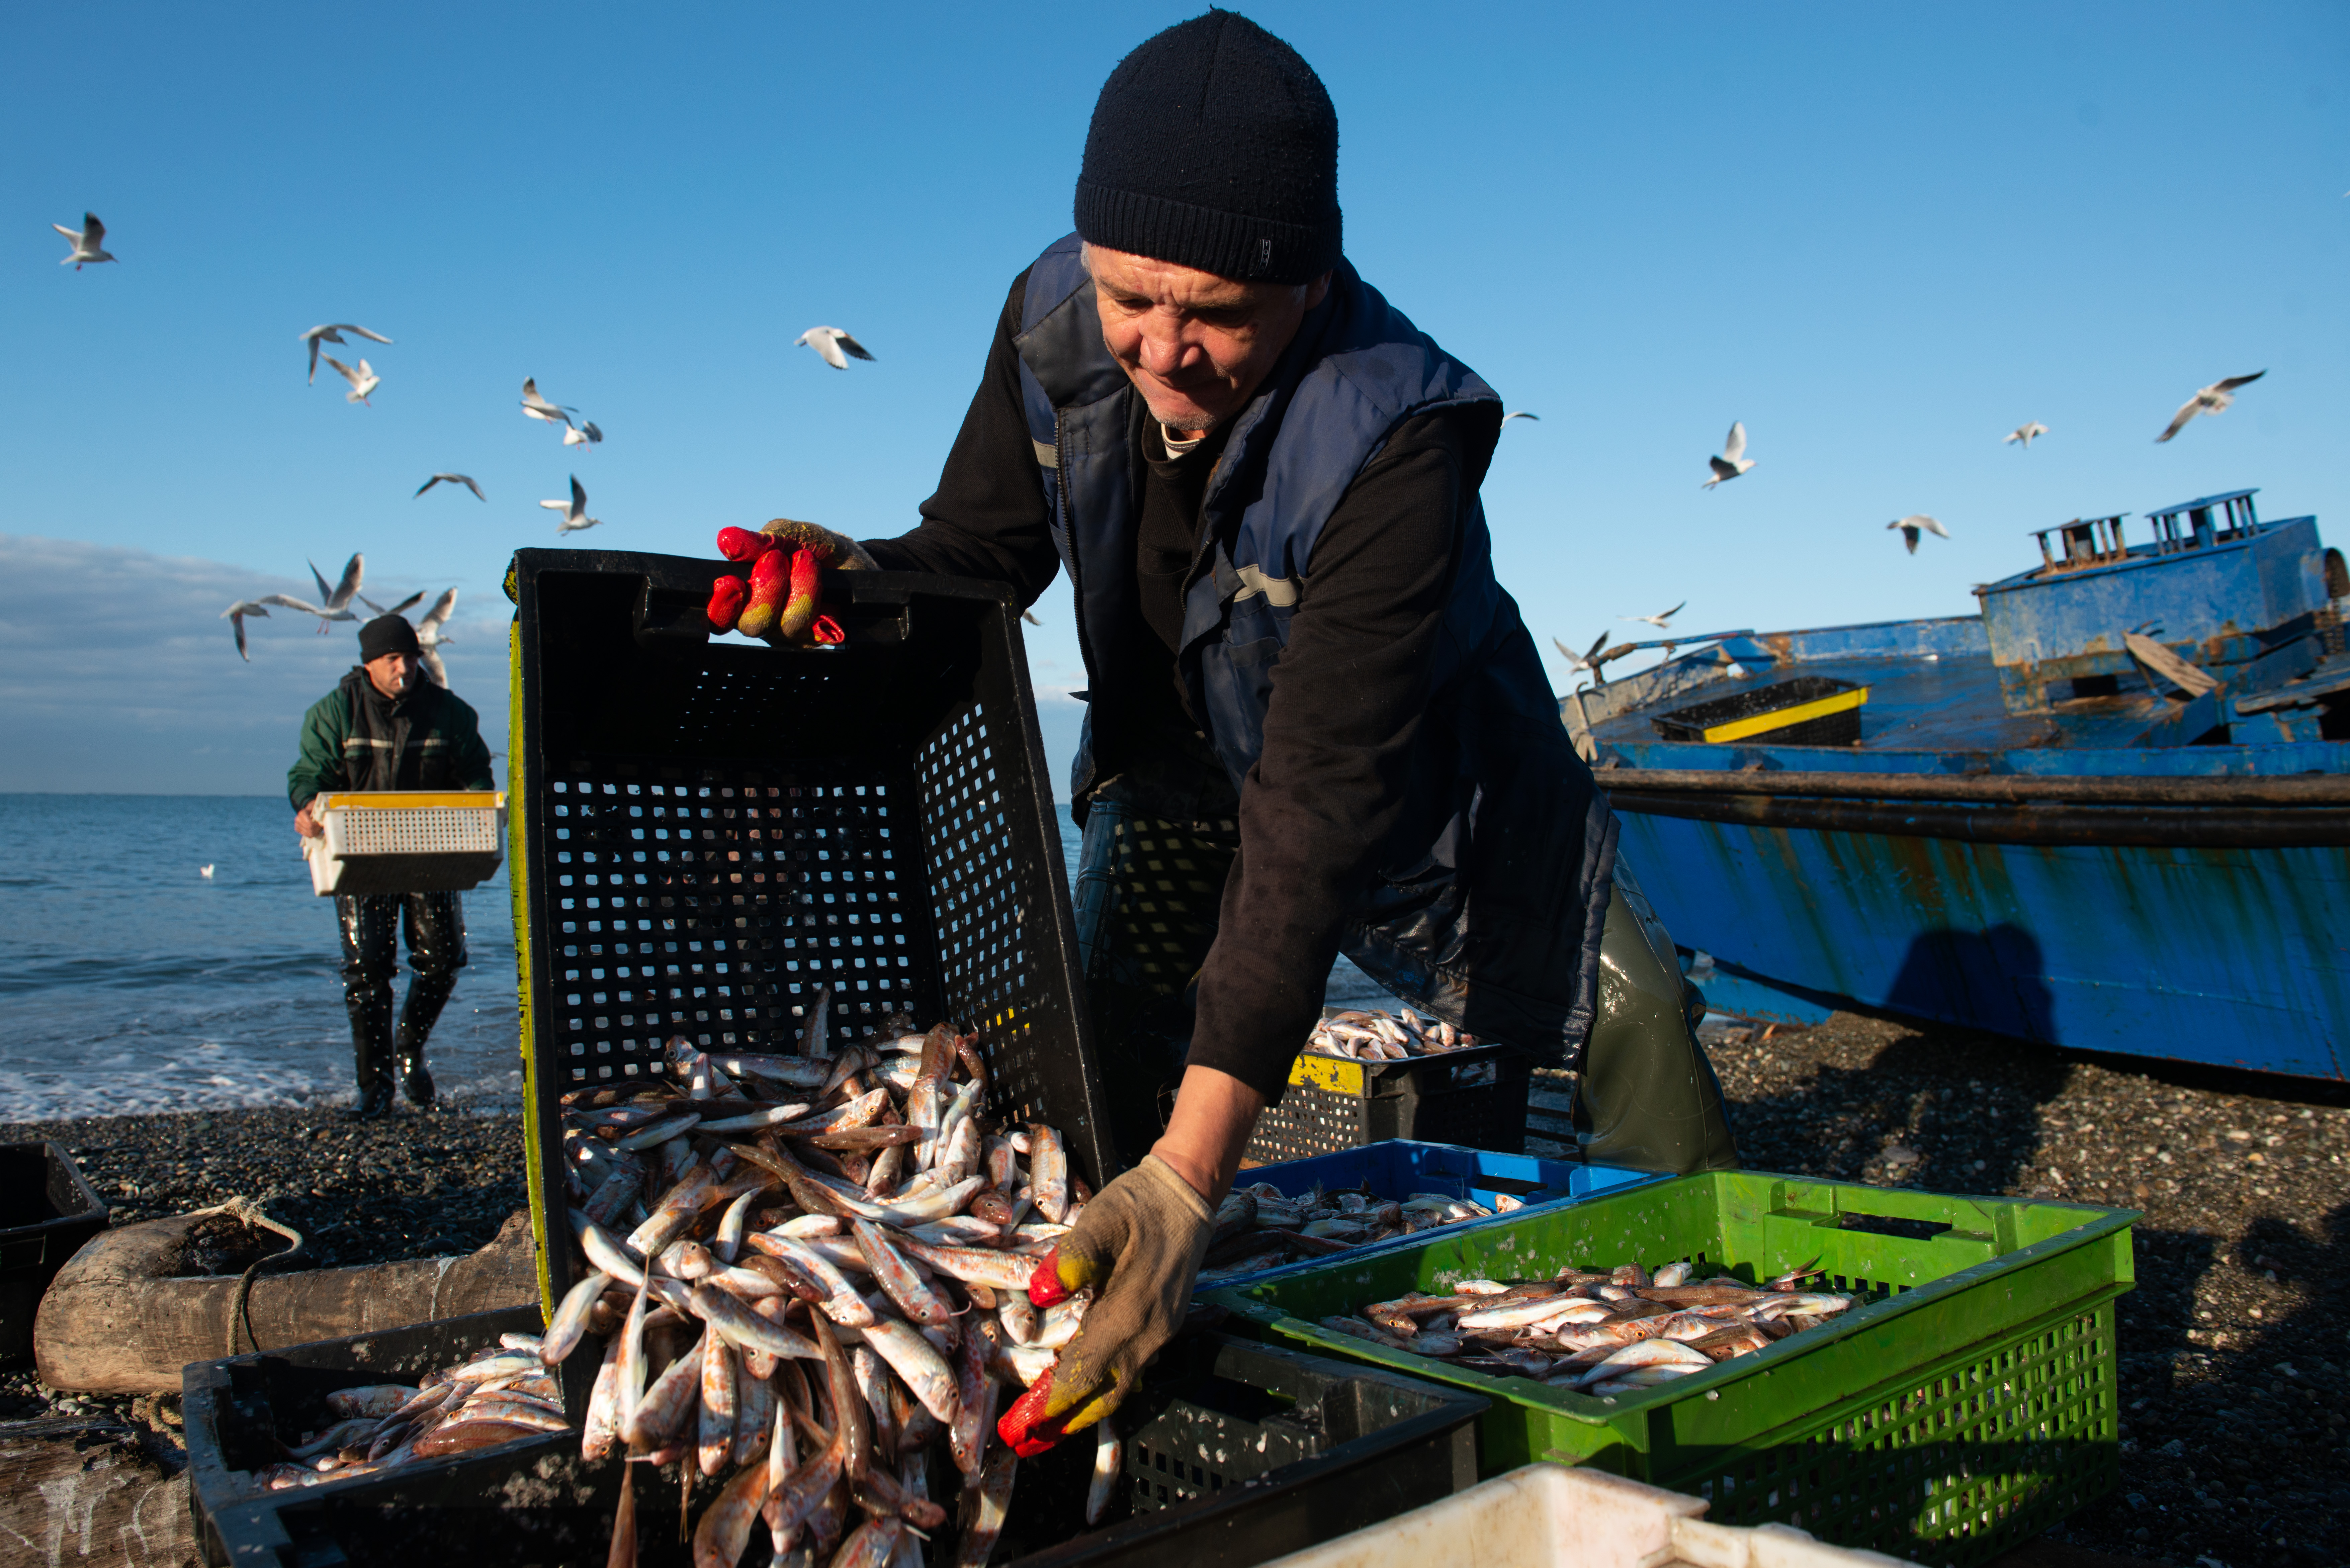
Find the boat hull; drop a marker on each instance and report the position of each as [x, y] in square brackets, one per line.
[2225, 954]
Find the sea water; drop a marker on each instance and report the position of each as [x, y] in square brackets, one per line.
[132, 982]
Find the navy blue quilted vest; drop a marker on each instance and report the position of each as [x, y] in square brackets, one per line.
[1490, 912]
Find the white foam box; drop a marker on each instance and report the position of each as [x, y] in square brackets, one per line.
[406, 841]
[1555, 1516]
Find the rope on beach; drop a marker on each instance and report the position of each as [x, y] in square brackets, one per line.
[246, 1210]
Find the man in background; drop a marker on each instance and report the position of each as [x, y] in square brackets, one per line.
[385, 727]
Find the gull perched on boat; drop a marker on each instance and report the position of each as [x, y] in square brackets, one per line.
[1918, 523]
[2023, 433]
[837, 347]
[585, 434]
[363, 380]
[2211, 400]
[464, 479]
[574, 511]
[89, 242]
[1733, 460]
[537, 408]
[234, 615]
[430, 637]
[1661, 622]
[333, 333]
[334, 604]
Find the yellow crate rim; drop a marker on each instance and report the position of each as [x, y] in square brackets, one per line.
[1337, 1073]
[1780, 718]
[420, 799]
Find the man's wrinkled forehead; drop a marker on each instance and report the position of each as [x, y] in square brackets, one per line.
[1134, 277]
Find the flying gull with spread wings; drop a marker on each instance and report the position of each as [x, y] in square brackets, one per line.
[1916, 523]
[332, 332]
[2024, 433]
[1733, 460]
[2211, 399]
[464, 479]
[88, 243]
[574, 511]
[837, 347]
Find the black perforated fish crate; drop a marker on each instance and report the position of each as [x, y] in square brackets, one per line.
[702, 833]
[238, 1409]
[1475, 1097]
[1807, 710]
[48, 1211]
[1235, 1454]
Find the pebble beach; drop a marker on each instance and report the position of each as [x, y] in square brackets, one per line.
[2235, 1344]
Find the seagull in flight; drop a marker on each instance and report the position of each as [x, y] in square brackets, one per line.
[1589, 658]
[234, 615]
[2211, 399]
[205, 872]
[1733, 460]
[464, 479]
[334, 604]
[584, 434]
[2024, 434]
[1661, 622]
[333, 333]
[1918, 523]
[403, 607]
[574, 511]
[1521, 414]
[363, 380]
[89, 242]
[1030, 616]
[837, 347]
[430, 637]
[537, 408]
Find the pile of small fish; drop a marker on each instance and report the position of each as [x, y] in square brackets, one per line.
[1376, 1036]
[495, 1398]
[1260, 1227]
[809, 1272]
[1601, 1332]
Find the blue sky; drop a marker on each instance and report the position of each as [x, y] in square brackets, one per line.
[1881, 236]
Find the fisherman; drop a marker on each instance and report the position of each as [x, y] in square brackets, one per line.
[1315, 722]
[388, 727]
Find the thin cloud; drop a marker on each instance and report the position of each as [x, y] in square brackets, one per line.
[118, 675]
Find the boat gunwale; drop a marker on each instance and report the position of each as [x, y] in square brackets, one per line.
[2299, 790]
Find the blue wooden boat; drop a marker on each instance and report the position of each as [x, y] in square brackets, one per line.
[2110, 812]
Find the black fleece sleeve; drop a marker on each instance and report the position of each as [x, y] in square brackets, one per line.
[987, 519]
[1349, 693]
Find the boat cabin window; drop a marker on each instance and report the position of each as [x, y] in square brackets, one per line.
[2082, 542]
[2202, 523]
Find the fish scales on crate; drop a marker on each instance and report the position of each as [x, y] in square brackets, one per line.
[2111, 812]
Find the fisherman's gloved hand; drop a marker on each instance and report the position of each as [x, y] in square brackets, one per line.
[1138, 1243]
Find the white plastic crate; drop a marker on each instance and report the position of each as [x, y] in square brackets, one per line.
[406, 841]
[1554, 1516]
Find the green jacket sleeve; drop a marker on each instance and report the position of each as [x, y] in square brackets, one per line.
[319, 767]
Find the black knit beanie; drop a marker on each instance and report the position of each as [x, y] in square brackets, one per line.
[387, 634]
[1215, 146]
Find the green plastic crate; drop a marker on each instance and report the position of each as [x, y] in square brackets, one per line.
[1968, 1406]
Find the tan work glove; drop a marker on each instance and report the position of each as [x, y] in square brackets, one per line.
[1138, 1243]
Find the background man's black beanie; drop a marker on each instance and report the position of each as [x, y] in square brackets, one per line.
[1215, 146]
[387, 634]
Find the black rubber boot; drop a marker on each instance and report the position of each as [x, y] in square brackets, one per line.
[370, 1010]
[1648, 1097]
[427, 994]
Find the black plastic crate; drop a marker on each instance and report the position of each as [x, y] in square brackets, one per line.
[1475, 1097]
[1746, 715]
[237, 1409]
[704, 832]
[47, 1211]
[1236, 1453]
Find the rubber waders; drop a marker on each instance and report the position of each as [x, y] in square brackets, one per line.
[1648, 1097]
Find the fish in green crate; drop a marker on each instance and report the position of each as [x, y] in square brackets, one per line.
[1260, 1227]
[1599, 1332]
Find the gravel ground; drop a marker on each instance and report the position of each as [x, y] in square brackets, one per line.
[2235, 1342]
[407, 1186]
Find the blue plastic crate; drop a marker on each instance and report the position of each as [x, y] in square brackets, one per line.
[1401, 1166]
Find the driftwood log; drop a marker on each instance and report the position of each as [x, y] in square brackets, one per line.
[77, 1489]
[119, 1319]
